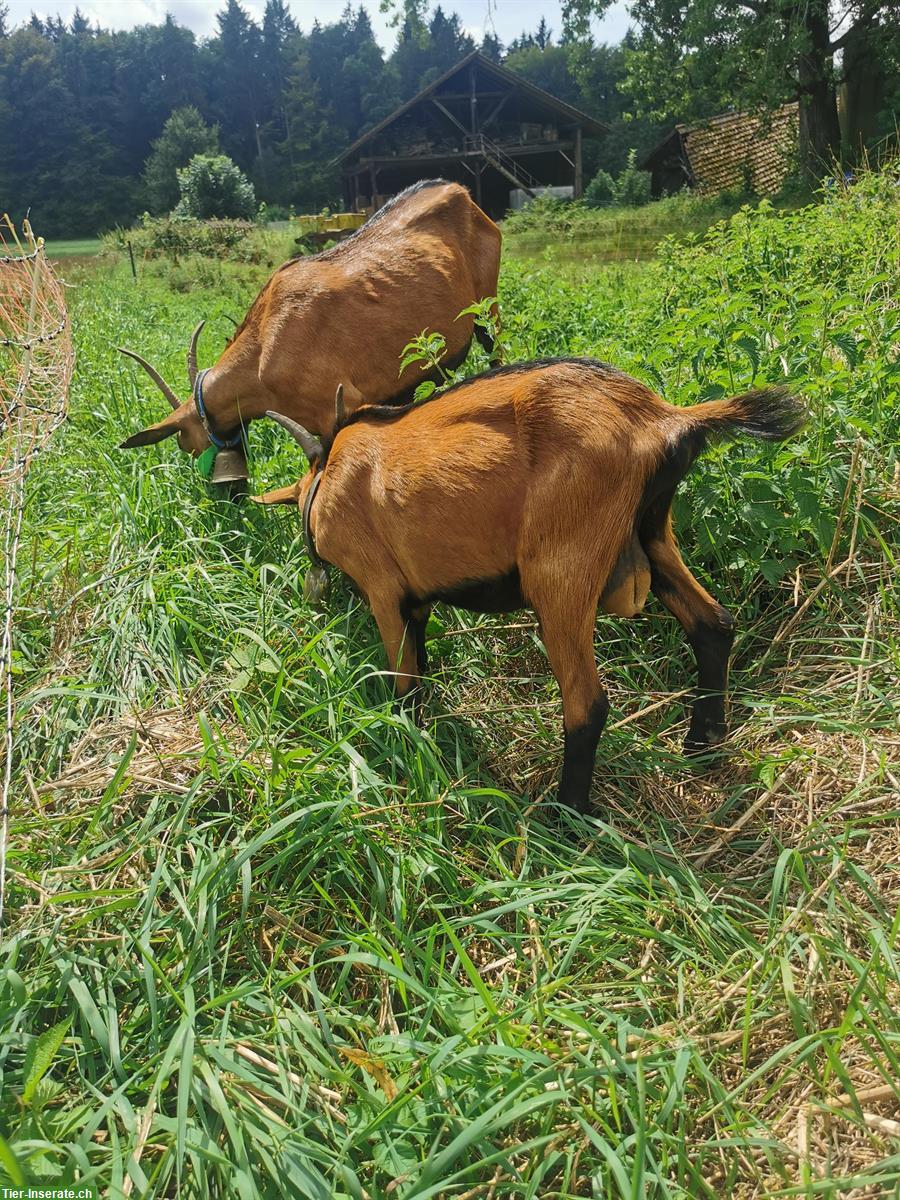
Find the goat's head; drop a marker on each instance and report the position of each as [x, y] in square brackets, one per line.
[315, 449]
[184, 420]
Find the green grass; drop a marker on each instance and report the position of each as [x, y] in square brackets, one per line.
[73, 247]
[571, 234]
[268, 938]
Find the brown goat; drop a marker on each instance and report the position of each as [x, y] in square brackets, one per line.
[547, 485]
[347, 314]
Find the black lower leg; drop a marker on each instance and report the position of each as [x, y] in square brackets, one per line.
[487, 343]
[711, 643]
[417, 631]
[578, 757]
[416, 618]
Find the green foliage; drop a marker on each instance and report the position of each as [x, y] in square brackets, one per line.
[274, 212]
[39, 1058]
[611, 231]
[185, 134]
[308, 949]
[691, 61]
[429, 349]
[212, 186]
[632, 188]
[174, 237]
[600, 191]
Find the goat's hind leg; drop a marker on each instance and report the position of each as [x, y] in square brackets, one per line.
[417, 620]
[710, 631]
[567, 629]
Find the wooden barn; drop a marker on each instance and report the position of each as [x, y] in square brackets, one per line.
[732, 151]
[478, 124]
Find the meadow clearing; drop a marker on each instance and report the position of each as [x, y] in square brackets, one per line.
[270, 939]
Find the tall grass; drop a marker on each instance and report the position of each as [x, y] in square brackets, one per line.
[570, 233]
[272, 939]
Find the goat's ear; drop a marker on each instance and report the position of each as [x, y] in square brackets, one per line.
[153, 434]
[352, 396]
[284, 495]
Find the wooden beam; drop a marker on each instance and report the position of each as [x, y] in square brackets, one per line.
[447, 113]
[482, 95]
[495, 111]
[568, 160]
[478, 184]
[500, 166]
[410, 160]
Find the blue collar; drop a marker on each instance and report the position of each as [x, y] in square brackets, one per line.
[229, 443]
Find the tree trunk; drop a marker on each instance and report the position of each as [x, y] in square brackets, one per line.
[865, 90]
[820, 135]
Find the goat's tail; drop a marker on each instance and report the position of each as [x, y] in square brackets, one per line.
[772, 413]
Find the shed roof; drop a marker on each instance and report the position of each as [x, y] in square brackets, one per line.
[720, 151]
[589, 125]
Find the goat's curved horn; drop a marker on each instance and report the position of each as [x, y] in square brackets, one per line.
[192, 354]
[154, 375]
[311, 446]
[340, 413]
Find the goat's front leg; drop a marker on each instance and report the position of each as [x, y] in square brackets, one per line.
[399, 642]
[417, 620]
[710, 631]
[567, 629]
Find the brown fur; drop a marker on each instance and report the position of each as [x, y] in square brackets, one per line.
[563, 472]
[347, 315]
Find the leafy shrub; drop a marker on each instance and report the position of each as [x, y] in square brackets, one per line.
[633, 186]
[175, 237]
[544, 212]
[214, 186]
[600, 191]
[274, 212]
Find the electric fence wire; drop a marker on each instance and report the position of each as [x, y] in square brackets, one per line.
[36, 362]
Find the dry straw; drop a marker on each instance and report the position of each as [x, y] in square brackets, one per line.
[36, 361]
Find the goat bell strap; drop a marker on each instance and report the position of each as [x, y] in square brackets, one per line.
[229, 443]
[316, 582]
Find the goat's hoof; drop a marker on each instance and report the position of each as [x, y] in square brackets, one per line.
[703, 750]
[581, 808]
[410, 705]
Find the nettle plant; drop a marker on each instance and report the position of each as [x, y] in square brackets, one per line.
[429, 350]
[803, 297]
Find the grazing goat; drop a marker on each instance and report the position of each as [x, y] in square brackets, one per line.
[346, 313]
[547, 485]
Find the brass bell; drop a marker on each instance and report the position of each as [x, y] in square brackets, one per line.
[316, 585]
[230, 467]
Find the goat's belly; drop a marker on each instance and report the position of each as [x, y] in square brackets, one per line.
[498, 595]
[626, 591]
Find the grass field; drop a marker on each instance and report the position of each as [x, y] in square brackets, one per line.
[270, 939]
[73, 247]
[569, 234]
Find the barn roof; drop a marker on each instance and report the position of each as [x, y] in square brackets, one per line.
[589, 125]
[722, 151]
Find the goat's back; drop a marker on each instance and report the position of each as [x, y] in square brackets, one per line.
[522, 464]
[346, 315]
